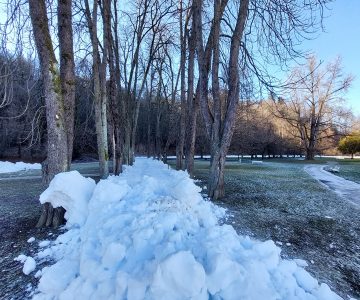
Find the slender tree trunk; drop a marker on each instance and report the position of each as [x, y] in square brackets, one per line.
[67, 69]
[57, 149]
[192, 108]
[181, 139]
[148, 132]
[99, 78]
[114, 81]
[119, 136]
[158, 118]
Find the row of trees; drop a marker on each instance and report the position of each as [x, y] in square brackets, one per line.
[258, 130]
[193, 56]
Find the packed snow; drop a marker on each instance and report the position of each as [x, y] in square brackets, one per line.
[149, 234]
[9, 167]
[63, 189]
[344, 188]
[30, 240]
[29, 263]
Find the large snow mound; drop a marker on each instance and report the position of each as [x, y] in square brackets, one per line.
[9, 167]
[149, 234]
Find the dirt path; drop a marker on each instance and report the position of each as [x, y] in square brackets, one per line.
[344, 188]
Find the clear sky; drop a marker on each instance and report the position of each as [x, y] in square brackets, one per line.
[342, 37]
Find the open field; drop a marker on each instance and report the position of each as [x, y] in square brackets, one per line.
[275, 200]
[280, 201]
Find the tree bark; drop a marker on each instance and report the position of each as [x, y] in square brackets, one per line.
[219, 124]
[57, 148]
[181, 139]
[192, 108]
[67, 69]
[99, 78]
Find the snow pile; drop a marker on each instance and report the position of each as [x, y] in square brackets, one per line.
[8, 167]
[149, 234]
[29, 263]
[72, 191]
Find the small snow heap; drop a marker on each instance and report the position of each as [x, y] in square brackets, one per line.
[149, 234]
[9, 167]
[30, 240]
[71, 191]
[29, 263]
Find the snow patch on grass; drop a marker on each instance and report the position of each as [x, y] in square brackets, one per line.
[9, 167]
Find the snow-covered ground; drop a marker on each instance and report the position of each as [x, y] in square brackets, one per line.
[9, 167]
[347, 189]
[149, 234]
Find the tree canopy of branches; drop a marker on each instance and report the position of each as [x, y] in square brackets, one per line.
[313, 102]
[244, 27]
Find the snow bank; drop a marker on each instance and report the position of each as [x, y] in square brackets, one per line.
[8, 167]
[149, 234]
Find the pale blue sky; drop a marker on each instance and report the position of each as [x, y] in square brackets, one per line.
[342, 37]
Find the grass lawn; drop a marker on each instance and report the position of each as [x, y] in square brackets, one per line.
[350, 170]
[278, 200]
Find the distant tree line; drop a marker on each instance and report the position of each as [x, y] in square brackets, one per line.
[258, 131]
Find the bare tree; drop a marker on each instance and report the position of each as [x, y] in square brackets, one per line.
[313, 104]
[148, 33]
[219, 125]
[269, 28]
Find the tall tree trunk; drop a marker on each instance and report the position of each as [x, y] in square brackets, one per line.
[114, 81]
[119, 136]
[99, 78]
[67, 69]
[218, 155]
[57, 150]
[192, 108]
[181, 138]
[158, 117]
[148, 133]
[219, 124]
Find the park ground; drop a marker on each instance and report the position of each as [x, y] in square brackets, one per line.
[274, 200]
